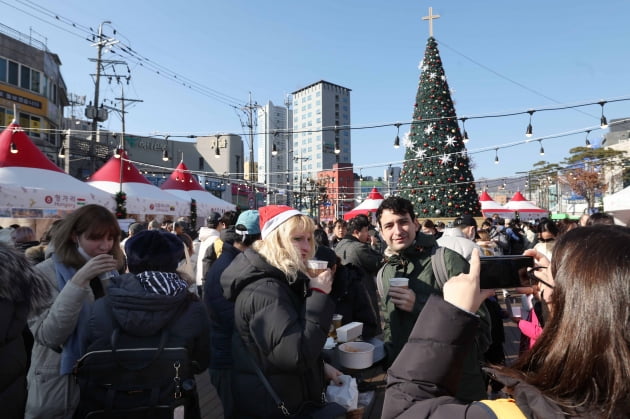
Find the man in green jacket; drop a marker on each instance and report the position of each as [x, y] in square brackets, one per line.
[408, 255]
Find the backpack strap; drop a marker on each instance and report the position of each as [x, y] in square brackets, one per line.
[503, 408]
[438, 263]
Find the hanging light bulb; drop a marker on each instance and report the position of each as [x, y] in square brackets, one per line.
[397, 139]
[217, 153]
[337, 148]
[62, 152]
[586, 141]
[117, 152]
[496, 156]
[165, 155]
[603, 122]
[465, 138]
[529, 130]
[274, 150]
[542, 150]
[14, 149]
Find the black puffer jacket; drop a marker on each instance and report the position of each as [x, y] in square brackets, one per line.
[284, 327]
[142, 315]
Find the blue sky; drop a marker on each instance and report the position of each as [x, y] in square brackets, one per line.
[499, 57]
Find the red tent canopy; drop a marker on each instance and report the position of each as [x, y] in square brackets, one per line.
[32, 186]
[489, 206]
[27, 155]
[182, 179]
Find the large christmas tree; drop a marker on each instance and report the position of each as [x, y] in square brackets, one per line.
[436, 176]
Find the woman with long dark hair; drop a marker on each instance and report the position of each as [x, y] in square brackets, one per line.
[580, 365]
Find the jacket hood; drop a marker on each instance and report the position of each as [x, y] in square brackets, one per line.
[140, 312]
[247, 267]
[205, 232]
[21, 283]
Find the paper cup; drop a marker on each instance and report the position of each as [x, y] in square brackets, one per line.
[399, 282]
[315, 267]
[516, 311]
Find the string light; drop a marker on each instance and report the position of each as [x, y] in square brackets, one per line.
[586, 141]
[529, 130]
[397, 139]
[542, 150]
[62, 152]
[603, 122]
[274, 150]
[465, 139]
[14, 149]
[496, 156]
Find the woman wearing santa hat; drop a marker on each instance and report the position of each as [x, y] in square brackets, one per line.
[282, 317]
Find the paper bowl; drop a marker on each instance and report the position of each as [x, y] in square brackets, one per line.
[356, 355]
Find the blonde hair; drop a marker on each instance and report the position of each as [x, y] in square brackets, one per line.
[278, 250]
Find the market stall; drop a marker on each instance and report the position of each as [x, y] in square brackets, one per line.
[141, 196]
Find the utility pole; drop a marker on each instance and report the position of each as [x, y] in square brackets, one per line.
[93, 111]
[248, 110]
[122, 100]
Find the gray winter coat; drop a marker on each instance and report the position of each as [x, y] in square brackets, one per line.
[49, 394]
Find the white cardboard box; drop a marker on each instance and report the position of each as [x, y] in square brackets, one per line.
[349, 332]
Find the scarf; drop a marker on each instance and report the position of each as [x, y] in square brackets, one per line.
[164, 283]
[73, 347]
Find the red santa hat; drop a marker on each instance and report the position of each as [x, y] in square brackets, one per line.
[271, 216]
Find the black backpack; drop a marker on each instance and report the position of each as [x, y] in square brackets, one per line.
[135, 383]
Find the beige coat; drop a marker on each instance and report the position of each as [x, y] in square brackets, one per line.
[49, 394]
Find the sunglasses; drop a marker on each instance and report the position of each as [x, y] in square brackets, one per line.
[547, 240]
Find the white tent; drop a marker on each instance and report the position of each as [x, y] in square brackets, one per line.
[489, 206]
[370, 205]
[526, 210]
[142, 196]
[31, 186]
[618, 204]
[183, 184]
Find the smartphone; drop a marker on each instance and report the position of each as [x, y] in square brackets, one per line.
[504, 271]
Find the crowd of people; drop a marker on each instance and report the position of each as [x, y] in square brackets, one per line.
[238, 295]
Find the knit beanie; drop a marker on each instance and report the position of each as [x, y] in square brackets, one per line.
[154, 250]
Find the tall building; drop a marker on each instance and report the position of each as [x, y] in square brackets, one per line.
[274, 150]
[321, 125]
[31, 82]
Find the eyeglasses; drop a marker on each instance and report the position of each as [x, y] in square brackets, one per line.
[534, 280]
[547, 240]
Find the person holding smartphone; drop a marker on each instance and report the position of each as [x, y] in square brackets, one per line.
[579, 366]
[85, 247]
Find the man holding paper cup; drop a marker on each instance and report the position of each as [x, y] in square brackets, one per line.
[408, 256]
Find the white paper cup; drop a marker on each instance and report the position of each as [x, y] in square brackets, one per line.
[399, 282]
[516, 311]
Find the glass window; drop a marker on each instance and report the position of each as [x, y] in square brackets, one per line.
[318, 94]
[35, 81]
[3, 70]
[25, 78]
[13, 73]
